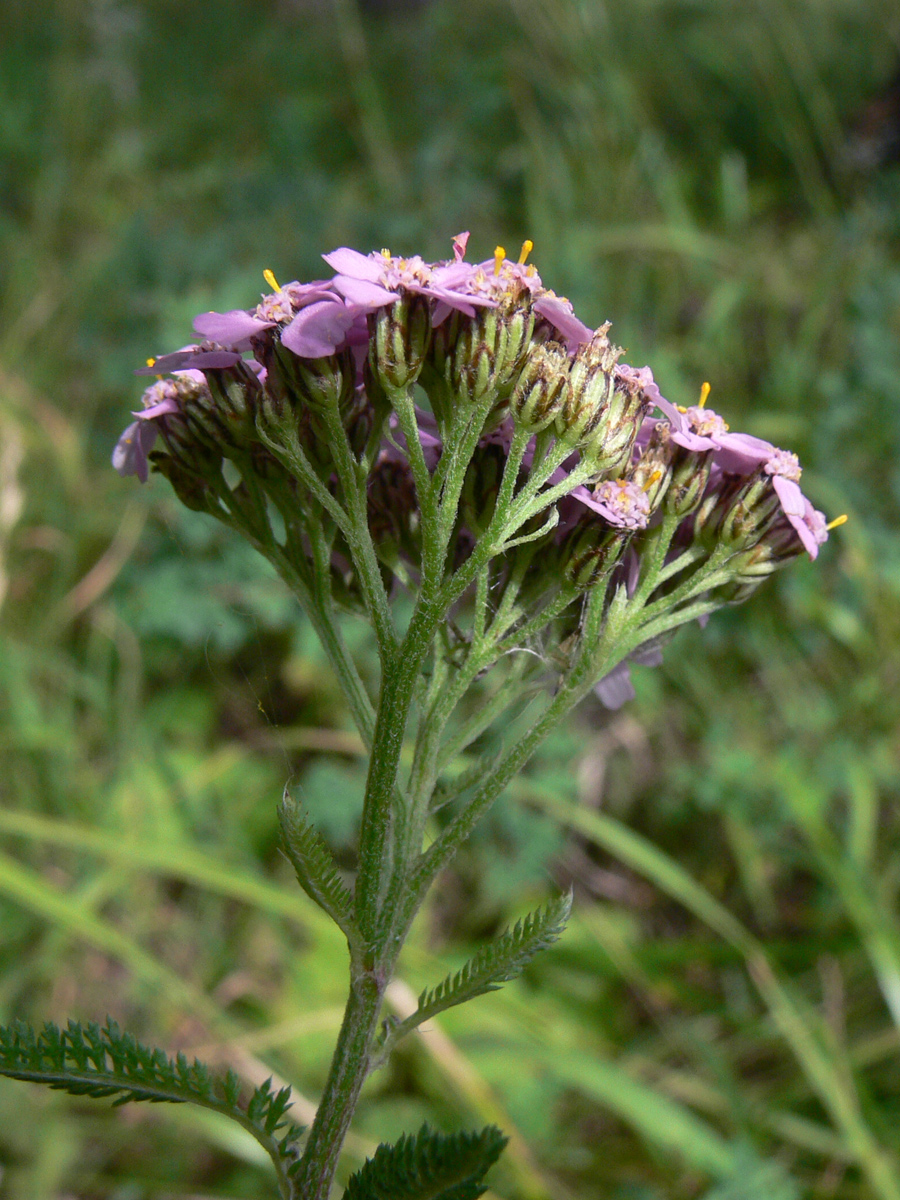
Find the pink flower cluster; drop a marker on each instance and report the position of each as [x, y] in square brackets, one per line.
[619, 442]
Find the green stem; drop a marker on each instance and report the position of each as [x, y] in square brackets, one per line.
[359, 538]
[377, 851]
[596, 657]
[349, 1068]
[318, 608]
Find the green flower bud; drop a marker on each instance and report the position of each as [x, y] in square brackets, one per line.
[399, 335]
[537, 399]
[490, 350]
[652, 472]
[482, 486]
[189, 442]
[589, 389]
[590, 552]
[227, 411]
[689, 478]
[191, 488]
[739, 512]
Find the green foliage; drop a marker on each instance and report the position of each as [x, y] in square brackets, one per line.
[98, 1062]
[679, 166]
[429, 1166]
[316, 870]
[496, 962]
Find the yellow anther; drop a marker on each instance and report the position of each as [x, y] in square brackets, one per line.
[530, 271]
[499, 255]
[654, 478]
[150, 362]
[527, 247]
[681, 408]
[271, 280]
[385, 253]
[841, 520]
[704, 394]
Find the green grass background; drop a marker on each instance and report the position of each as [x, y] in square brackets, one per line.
[721, 1019]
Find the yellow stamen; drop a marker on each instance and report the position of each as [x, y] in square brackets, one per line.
[841, 520]
[271, 280]
[527, 247]
[704, 395]
[150, 362]
[385, 253]
[499, 255]
[681, 408]
[655, 476]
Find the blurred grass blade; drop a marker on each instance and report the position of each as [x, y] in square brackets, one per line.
[176, 862]
[660, 1120]
[798, 1028]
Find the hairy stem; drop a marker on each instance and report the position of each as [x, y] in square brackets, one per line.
[349, 1068]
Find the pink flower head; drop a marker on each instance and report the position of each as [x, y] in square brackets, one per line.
[561, 315]
[620, 503]
[640, 379]
[784, 464]
[700, 429]
[315, 320]
[499, 276]
[129, 456]
[199, 358]
[372, 281]
[809, 524]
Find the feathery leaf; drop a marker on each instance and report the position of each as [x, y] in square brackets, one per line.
[494, 964]
[429, 1166]
[98, 1062]
[314, 864]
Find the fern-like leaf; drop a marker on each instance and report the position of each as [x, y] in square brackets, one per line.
[494, 964]
[94, 1061]
[429, 1166]
[314, 864]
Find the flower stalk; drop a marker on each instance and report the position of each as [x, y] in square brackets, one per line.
[453, 431]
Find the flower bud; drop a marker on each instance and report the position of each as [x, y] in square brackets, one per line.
[490, 349]
[652, 472]
[591, 551]
[737, 510]
[589, 389]
[399, 334]
[690, 473]
[601, 414]
[482, 486]
[190, 487]
[227, 411]
[538, 396]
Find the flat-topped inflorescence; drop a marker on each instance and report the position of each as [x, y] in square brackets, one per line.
[452, 434]
[472, 423]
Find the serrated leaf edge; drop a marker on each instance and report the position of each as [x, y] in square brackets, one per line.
[492, 965]
[103, 1061]
[418, 1164]
[314, 865]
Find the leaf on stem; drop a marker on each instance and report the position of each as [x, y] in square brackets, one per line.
[494, 964]
[97, 1062]
[429, 1166]
[317, 872]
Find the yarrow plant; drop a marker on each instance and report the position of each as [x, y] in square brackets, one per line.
[451, 434]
